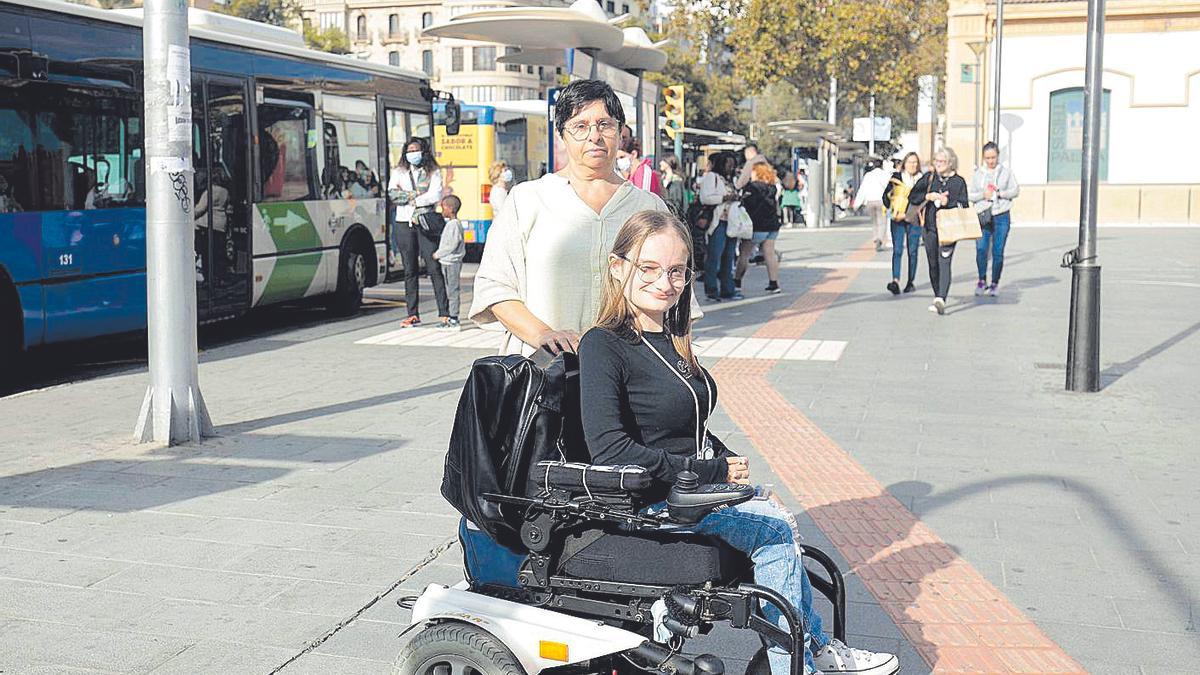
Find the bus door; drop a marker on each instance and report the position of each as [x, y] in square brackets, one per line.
[399, 125]
[222, 210]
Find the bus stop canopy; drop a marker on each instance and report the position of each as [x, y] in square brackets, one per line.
[583, 25]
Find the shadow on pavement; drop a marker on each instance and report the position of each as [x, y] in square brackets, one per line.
[1118, 370]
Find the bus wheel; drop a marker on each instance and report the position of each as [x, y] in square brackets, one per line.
[12, 359]
[352, 279]
[474, 253]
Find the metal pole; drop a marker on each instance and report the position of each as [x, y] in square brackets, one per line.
[978, 95]
[637, 118]
[833, 100]
[871, 143]
[173, 410]
[999, 61]
[933, 124]
[1083, 340]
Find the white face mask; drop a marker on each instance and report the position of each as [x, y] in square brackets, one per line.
[506, 176]
[413, 158]
[623, 163]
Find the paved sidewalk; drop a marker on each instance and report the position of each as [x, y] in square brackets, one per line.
[282, 545]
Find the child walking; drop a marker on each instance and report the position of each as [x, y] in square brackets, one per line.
[449, 254]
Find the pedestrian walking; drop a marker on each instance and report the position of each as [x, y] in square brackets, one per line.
[449, 254]
[993, 187]
[416, 189]
[501, 177]
[939, 189]
[716, 191]
[672, 185]
[759, 200]
[906, 235]
[546, 251]
[752, 157]
[870, 196]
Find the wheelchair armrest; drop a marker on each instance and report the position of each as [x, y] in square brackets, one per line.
[597, 481]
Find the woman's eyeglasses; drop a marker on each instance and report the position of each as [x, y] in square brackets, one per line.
[650, 273]
[580, 131]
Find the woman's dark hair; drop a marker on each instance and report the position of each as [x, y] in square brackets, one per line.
[990, 145]
[427, 161]
[577, 95]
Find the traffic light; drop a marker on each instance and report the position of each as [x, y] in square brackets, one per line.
[673, 109]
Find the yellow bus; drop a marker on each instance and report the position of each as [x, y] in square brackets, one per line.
[515, 132]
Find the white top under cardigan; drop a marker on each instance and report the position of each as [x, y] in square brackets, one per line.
[549, 249]
[402, 180]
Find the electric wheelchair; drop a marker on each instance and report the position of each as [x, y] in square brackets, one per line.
[563, 573]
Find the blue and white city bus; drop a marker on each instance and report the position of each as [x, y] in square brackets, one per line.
[290, 148]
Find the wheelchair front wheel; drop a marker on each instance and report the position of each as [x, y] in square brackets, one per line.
[456, 648]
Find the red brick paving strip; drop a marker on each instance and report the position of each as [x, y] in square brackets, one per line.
[955, 618]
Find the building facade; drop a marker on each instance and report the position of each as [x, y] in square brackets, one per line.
[1150, 127]
[389, 31]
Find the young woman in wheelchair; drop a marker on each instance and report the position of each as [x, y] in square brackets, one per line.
[648, 401]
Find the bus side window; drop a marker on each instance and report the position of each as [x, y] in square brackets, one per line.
[287, 158]
[16, 166]
[89, 153]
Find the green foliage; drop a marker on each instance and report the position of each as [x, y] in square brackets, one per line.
[871, 46]
[697, 59]
[329, 40]
[274, 12]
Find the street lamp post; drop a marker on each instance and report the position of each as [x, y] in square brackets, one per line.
[1083, 340]
[173, 410]
[996, 83]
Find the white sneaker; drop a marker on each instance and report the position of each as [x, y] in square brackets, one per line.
[836, 657]
[933, 307]
[939, 306]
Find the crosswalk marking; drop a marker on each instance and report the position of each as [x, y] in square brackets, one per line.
[729, 346]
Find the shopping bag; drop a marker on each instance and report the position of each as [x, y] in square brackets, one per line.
[957, 224]
[739, 226]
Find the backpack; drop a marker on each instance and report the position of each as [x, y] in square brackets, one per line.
[513, 413]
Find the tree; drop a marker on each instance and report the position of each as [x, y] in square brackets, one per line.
[274, 12]
[331, 39]
[872, 46]
[698, 59]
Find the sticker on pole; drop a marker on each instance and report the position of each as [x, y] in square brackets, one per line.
[179, 105]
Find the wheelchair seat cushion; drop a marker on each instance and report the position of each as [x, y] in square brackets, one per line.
[657, 558]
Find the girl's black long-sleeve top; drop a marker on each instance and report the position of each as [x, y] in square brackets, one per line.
[934, 182]
[636, 411]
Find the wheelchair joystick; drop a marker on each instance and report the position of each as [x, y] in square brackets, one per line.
[688, 501]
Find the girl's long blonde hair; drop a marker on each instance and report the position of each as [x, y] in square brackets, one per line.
[617, 313]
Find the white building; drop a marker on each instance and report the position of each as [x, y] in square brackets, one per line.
[1150, 152]
[389, 31]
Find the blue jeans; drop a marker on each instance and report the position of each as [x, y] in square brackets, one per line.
[763, 530]
[905, 237]
[719, 263]
[993, 241]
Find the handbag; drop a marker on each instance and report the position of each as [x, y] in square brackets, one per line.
[985, 218]
[914, 214]
[430, 222]
[957, 224]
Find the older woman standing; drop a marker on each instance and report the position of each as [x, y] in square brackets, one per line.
[547, 249]
[501, 177]
[939, 189]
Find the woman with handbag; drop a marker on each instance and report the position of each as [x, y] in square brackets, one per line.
[905, 217]
[716, 191]
[993, 187]
[415, 189]
[936, 191]
[758, 197]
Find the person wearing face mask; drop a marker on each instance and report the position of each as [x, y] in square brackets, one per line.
[416, 188]
[547, 249]
[638, 169]
[501, 177]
